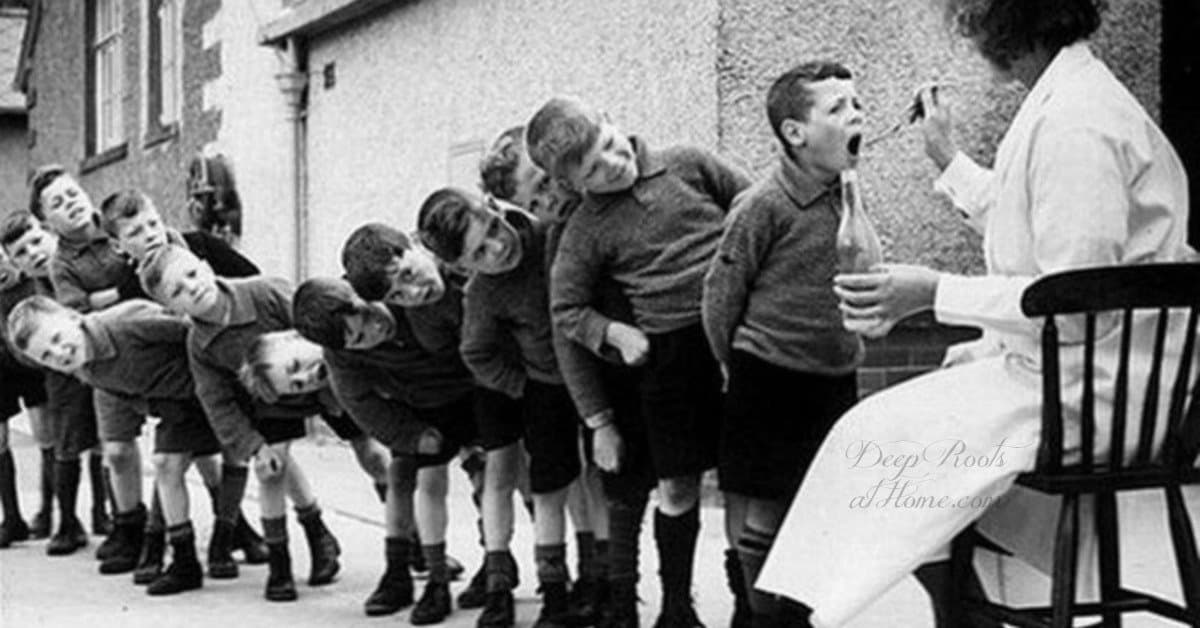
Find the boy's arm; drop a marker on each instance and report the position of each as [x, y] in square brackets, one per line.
[357, 396]
[438, 327]
[225, 260]
[481, 349]
[573, 278]
[725, 181]
[730, 273]
[581, 372]
[152, 324]
[217, 393]
[67, 289]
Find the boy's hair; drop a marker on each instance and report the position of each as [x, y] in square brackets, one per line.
[1006, 30]
[366, 256]
[560, 134]
[121, 206]
[318, 310]
[26, 316]
[790, 97]
[151, 271]
[38, 182]
[499, 165]
[443, 221]
[14, 227]
[253, 371]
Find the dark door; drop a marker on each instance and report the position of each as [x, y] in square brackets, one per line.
[1181, 93]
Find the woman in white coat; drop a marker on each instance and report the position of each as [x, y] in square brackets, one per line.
[1083, 177]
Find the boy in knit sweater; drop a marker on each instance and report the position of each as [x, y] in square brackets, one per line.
[773, 320]
[650, 220]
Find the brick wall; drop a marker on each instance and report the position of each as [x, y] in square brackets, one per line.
[913, 347]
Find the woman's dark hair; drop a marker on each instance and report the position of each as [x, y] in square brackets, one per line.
[1006, 30]
[213, 200]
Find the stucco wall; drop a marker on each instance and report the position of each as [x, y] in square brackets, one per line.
[58, 114]
[415, 82]
[14, 162]
[893, 46]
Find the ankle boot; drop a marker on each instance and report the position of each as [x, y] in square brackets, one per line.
[101, 495]
[395, 588]
[70, 537]
[246, 539]
[621, 612]
[184, 573]
[554, 613]
[324, 549]
[129, 532]
[280, 586]
[434, 605]
[12, 531]
[220, 555]
[150, 563]
[13, 527]
[473, 596]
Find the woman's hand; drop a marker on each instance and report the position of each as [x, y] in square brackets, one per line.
[873, 302]
[936, 128]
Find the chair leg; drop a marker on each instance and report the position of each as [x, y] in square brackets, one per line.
[1110, 555]
[962, 554]
[1066, 556]
[1184, 540]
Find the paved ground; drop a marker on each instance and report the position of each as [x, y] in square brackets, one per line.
[36, 590]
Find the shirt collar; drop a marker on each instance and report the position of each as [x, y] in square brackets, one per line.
[800, 186]
[100, 339]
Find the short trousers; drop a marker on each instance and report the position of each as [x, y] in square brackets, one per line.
[635, 477]
[499, 419]
[283, 421]
[71, 412]
[182, 428]
[681, 402]
[457, 423]
[551, 436]
[343, 426]
[118, 419]
[17, 384]
[775, 420]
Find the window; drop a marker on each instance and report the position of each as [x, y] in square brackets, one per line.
[104, 80]
[165, 63]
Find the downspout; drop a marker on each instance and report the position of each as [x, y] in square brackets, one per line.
[293, 81]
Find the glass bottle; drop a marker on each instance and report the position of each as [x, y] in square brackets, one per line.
[858, 248]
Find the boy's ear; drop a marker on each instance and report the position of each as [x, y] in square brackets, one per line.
[795, 132]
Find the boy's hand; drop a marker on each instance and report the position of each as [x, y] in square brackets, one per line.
[608, 448]
[430, 442]
[936, 128]
[871, 303]
[629, 341]
[268, 463]
[101, 299]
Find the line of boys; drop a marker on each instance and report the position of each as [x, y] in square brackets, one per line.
[667, 279]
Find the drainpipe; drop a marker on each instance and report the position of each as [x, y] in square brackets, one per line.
[293, 82]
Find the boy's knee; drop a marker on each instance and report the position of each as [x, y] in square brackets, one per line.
[121, 456]
[679, 493]
[170, 465]
[433, 482]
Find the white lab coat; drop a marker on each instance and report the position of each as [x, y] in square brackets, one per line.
[1083, 177]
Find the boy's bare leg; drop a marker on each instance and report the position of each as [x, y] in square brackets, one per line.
[124, 461]
[395, 588]
[589, 594]
[12, 525]
[322, 545]
[499, 482]
[432, 518]
[43, 434]
[735, 522]
[185, 572]
[271, 469]
[550, 553]
[373, 458]
[123, 548]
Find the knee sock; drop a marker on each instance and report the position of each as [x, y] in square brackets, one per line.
[8, 488]
[676, 541]
[600, 561]
[101, 484]
[752, 550]
[229, 496]
[66, 486]
[624, 529]
[155, 523]
[275, 531]
[310, 518]
[435, 558]
[501, 570]
[585, 554]
[47, 480]
[551, 563]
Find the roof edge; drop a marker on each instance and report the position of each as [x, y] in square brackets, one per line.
[315, 16]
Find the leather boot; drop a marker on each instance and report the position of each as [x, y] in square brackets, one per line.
[150, 563]
[129, 532]
[324, 549]
[395, 588]
[220, 555]
[249, 541]
[184, 573]
[280, 586]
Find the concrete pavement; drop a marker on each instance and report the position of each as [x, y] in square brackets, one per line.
[36, 590]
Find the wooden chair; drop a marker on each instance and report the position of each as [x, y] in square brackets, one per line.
[1089, 292]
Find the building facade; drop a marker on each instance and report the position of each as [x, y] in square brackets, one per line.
[14, 148]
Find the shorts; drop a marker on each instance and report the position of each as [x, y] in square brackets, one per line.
[551, 436]
[283, 421]
[456, 421]
[499, 418]
[71, 412]
[343, 426]
[118, 418]
[775, 420]
[681, 403]
[182, 428]
[636, 476]
[17, 384]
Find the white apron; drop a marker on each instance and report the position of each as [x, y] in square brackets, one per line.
[1082, 178]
